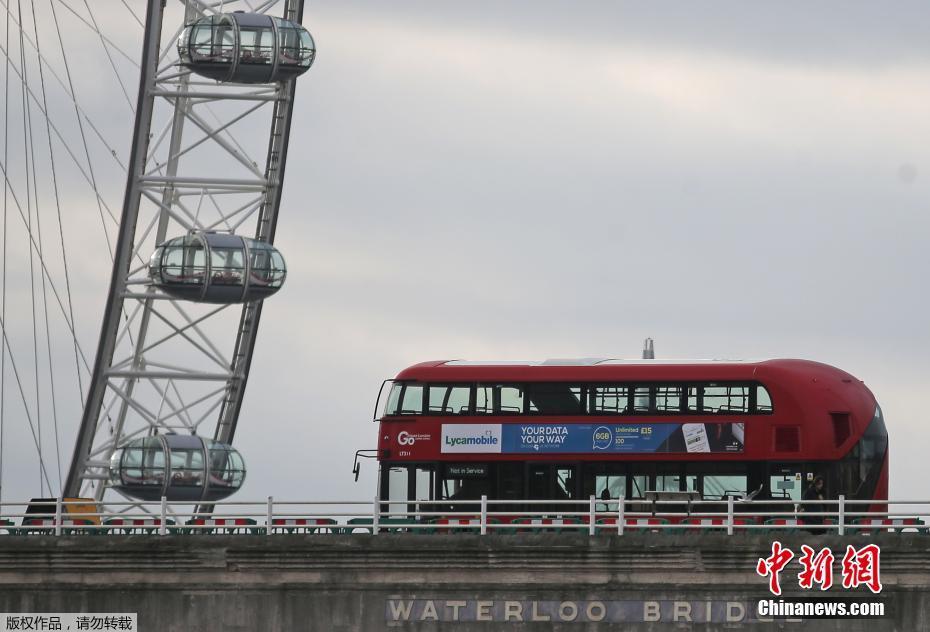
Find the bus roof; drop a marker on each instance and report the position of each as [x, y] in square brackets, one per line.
[594, 369]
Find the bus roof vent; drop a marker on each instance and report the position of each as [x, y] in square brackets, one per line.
[787, 438]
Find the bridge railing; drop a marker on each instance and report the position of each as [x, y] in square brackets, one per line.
[593, 516]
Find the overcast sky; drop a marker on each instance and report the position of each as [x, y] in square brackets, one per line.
[505, 180]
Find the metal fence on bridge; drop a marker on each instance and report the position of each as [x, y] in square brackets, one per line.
[485, 516]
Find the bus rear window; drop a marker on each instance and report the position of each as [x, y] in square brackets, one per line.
[763, 400]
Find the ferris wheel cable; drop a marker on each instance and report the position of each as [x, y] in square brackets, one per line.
[61, 233]
[48, 334]
[106, 50]
[71, 96]
[29, 154]
[128, 8]
[64, 143]
[6, 138]
[90, 168]
[22, 394]
[119, 50]
[8, 186]
[87, 118]
[89, 174]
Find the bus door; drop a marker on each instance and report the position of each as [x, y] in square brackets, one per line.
[552, 481]
[404, 484]
[510, 477]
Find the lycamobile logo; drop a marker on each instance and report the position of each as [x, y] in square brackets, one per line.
[483, 440]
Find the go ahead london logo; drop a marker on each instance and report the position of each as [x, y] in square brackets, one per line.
[859, 567]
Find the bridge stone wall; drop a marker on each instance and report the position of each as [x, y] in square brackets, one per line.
[426, 583]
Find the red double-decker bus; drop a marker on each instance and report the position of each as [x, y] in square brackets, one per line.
[609, 428]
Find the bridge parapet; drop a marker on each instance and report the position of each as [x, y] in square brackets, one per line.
[427, 582]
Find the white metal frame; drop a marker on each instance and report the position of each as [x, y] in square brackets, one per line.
[163, 364]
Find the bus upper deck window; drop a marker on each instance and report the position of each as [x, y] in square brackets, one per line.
[411, 400]
[554, 399]
[642, 399]
[609, 399]
[499, 399]
[694, 393]
[668, 399]
[449, 400]
[726, 398]
[393, 400]
[511, 399]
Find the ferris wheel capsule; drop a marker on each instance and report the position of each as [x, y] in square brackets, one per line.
[212, 267]
[246, 48]
[180, 468]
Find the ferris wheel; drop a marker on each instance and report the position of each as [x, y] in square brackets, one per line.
[193, 255]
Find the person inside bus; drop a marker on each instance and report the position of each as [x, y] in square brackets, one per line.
[470, 490]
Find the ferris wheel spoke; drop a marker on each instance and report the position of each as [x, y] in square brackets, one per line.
[93, 28]
[44, 268]
[135, 17]
[22, 393]
[46, 63]
[61, 139]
